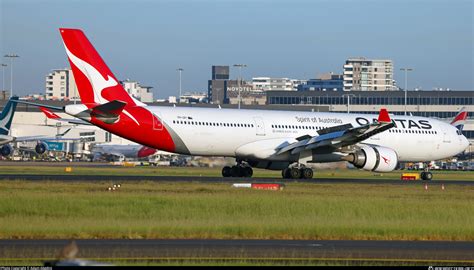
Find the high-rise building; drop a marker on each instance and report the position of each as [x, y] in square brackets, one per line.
[361, 74]
[60, 85]
[217, 86]
[142, 93]
[220, 72]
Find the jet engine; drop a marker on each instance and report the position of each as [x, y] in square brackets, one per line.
[41, 147]
[6, 150]
[374, 158]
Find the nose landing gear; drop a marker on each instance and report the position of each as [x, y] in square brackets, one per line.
[426, 175]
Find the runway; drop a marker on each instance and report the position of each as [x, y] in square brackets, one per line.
[414, 251]
[214, 179]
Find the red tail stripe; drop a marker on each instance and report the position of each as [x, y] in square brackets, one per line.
[460, 117]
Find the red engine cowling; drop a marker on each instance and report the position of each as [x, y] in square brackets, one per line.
[374, 158]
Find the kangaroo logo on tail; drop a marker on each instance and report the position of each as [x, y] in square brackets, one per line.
[95, 81]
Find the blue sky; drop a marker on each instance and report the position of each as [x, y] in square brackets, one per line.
[148, 40]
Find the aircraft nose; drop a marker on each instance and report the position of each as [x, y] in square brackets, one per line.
[464, 143]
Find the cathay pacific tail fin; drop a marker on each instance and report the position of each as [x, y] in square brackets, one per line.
[6, 116]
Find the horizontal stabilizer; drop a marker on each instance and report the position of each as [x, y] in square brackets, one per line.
[40, 105]
[109, 112]
[114, 108]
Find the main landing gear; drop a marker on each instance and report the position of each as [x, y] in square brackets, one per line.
[297, 172]
[239, 170]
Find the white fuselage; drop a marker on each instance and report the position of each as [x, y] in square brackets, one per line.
[232, 132]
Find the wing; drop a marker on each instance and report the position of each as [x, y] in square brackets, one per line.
[46, 137]
[43, 138]
[336, 137]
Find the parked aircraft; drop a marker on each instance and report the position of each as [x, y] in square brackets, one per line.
[106, 150]
[6, 118]
[121, 152]
[277, 140]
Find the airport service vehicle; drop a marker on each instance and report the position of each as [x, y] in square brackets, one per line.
[276, 140]
[6, 117]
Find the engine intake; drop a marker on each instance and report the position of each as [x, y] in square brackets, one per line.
[374, 158]
[6, 150]
[41, 147]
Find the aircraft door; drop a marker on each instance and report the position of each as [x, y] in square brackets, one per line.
[157, 125]
[259, 126]
[446, 137]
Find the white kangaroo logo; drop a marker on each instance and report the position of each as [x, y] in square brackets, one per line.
[95, 78]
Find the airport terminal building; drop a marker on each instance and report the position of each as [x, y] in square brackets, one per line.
[436, 104]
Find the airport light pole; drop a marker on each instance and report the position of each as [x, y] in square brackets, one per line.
[11, 56]
[240, 66]
[3, 76]
[179, 97]
[406, 85]
[348, 100]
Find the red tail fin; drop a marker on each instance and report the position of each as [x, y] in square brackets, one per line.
[460, 119]
[95, 82]
[49, 113]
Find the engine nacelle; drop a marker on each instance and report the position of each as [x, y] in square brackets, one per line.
[6, 150]
[41, 147]
[374, 158]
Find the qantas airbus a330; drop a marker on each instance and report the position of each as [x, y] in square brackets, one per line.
[275, 140]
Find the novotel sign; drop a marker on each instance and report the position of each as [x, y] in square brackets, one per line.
[248, 89]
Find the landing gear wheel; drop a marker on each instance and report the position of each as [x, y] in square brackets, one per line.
[295, 173]
[247, 171]
[306, 173]
[285, 173]
[226, 171]
[427, 176]
[235, 171]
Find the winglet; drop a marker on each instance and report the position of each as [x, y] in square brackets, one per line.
[49, 113]
[383, 116]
